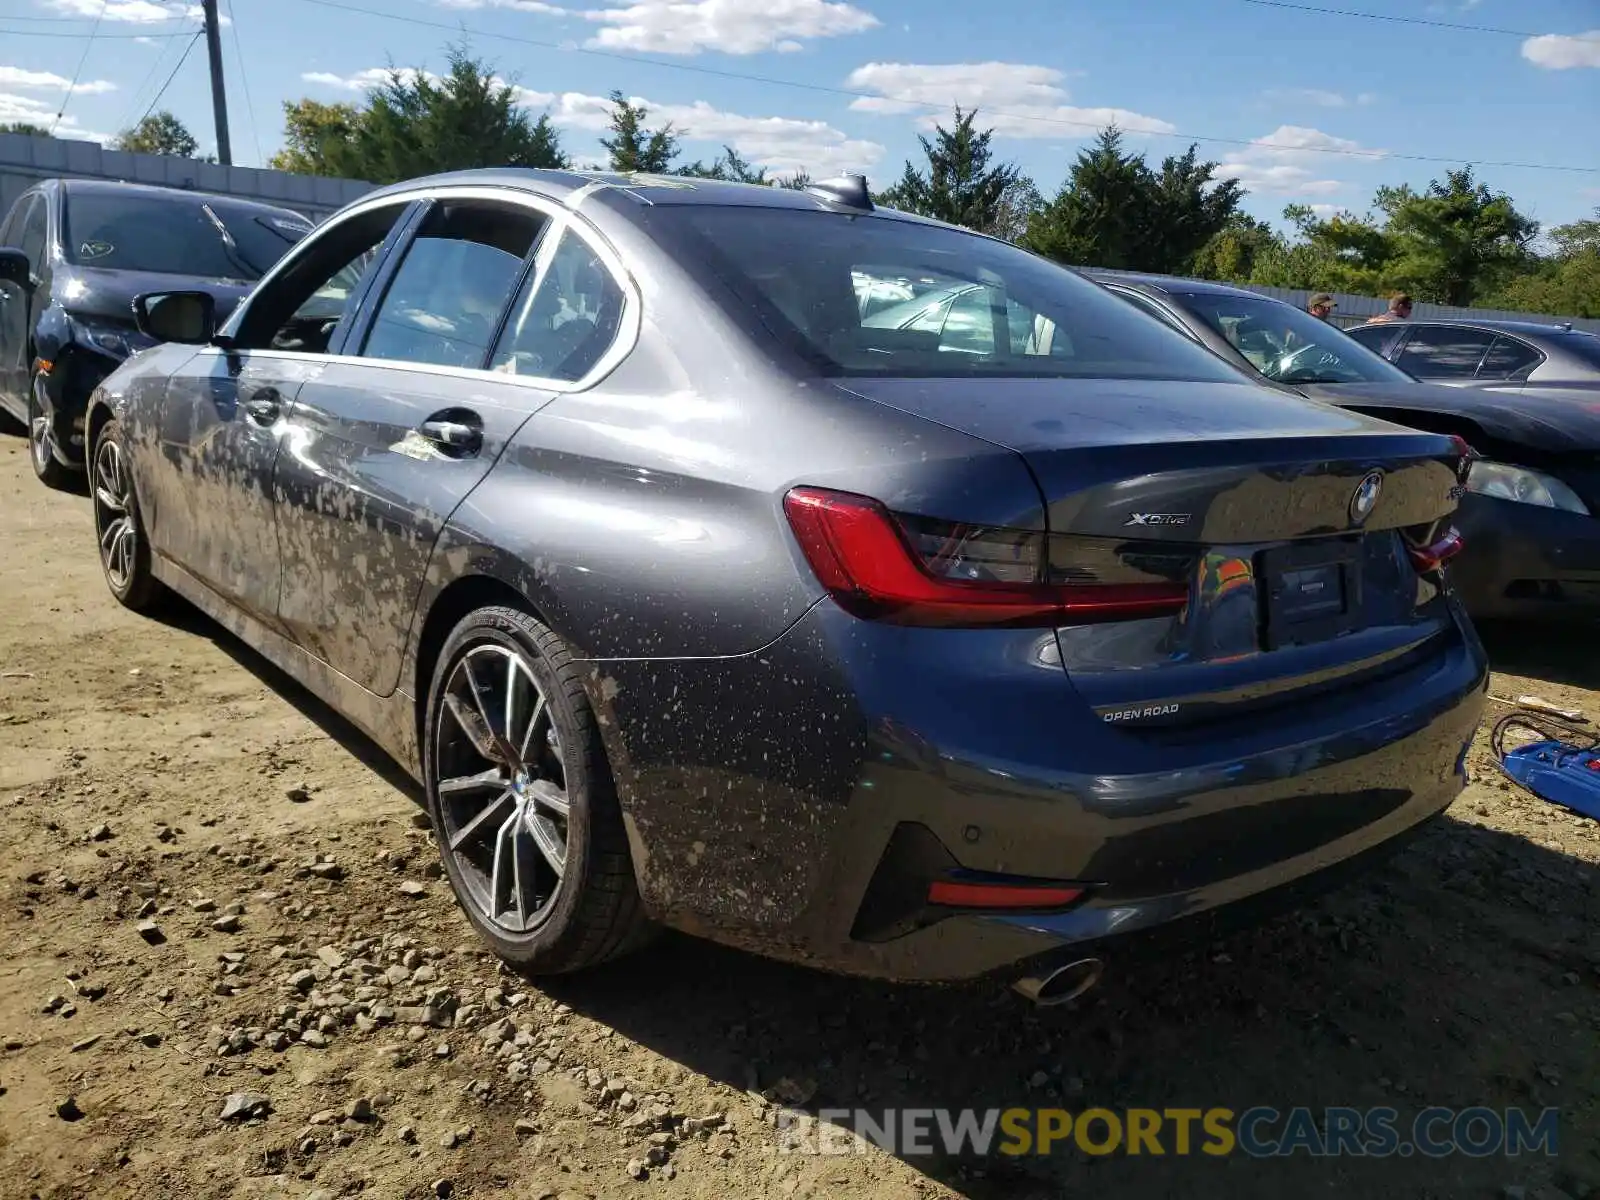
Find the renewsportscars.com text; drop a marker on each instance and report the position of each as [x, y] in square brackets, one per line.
[1257, 1132]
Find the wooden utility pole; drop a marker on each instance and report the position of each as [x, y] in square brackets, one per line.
[219, 95]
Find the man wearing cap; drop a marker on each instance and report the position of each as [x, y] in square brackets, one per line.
[1321, 306]
[1399, 310]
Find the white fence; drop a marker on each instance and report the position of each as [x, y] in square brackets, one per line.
[26, 160]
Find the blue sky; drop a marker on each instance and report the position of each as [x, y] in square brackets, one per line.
[1305, 107]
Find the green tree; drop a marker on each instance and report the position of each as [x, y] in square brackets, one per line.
[1455, 240]
[1114, 211]
[159, 133]
[632, 146]
[1018, 203]
[732, 167]
[1236, 251]
[1341, 253]
[1565, 283]
[798, 182]
[959, 186]
[26, 129]
[311, 131]
[413, 124]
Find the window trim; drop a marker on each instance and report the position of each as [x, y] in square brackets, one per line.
[1153, 306]
[558, 218]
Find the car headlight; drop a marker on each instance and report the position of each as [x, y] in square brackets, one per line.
[117, 341]
[1505, 482]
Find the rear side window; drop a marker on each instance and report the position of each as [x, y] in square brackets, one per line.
[564, 320]
[1445, 352]
[1508, 358]
[444, 303]
[35, 232]
[871, 296]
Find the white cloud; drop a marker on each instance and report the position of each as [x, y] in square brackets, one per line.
[731, 26]
[362, 81]
[1557, 52]
[26, 109]
[21, 77]
[781, 144]
[138, 12]
[1017, 100]
[527, 6]
[1280, 163]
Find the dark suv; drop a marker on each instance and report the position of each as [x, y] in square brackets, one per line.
[74, 253]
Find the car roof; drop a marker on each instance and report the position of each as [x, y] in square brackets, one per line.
[646, 189]
[1172, 283]
[117, 187]
[1526, 328]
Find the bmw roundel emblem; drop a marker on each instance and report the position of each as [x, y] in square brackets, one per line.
[1366, 497]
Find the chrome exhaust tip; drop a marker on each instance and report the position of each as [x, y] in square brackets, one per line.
[1062, 984]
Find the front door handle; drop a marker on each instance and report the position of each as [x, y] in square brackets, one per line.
[452, 436]
[263, 408]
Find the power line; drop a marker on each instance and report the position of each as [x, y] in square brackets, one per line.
[183, 58]
[82, 58]
[1372, 16]
[244, 83]
[826, 89]
[80, 20]
[52, 33]
[136, 100]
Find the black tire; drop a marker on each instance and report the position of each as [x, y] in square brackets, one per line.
[593, 913]
[124, 550]
[52, 472]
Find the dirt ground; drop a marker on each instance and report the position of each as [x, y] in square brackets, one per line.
[161, 772]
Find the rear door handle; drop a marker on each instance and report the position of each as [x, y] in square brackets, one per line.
[457, 437]
[263, 408]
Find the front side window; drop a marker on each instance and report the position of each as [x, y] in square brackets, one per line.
[1142, 302]
[1508, 358]
[178, 234]
[1445, 351]
[444, 303]
[564, 321]
[1288, 345]
[304, 307]
[1381, 338]
[877, 296]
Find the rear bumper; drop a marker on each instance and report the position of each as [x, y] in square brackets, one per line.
[1525, 561]
[761, 793]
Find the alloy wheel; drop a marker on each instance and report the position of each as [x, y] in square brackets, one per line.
[113, 514]
[501, 787]
[41, 430]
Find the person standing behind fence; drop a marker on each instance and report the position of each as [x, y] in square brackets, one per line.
[1399, 310]
[1321, 306]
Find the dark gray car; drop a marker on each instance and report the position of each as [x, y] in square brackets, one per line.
[1525, 357]
[694, 595]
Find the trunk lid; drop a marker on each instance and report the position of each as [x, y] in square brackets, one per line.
[1290, 522]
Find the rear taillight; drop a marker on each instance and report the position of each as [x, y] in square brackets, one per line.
[1432, 557]
[916, 572]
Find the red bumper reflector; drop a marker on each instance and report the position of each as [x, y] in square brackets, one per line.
[957, 894]
[858, 552]
[1431, 558]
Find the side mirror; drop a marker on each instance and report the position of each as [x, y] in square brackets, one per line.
[189, 317]
[14, 267]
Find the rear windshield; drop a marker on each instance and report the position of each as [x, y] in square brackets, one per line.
[177, 234]
[1289, 345]
[869, 296]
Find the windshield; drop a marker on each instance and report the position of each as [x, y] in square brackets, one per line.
[1288, 345]
[178, 234]
[873, 296]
